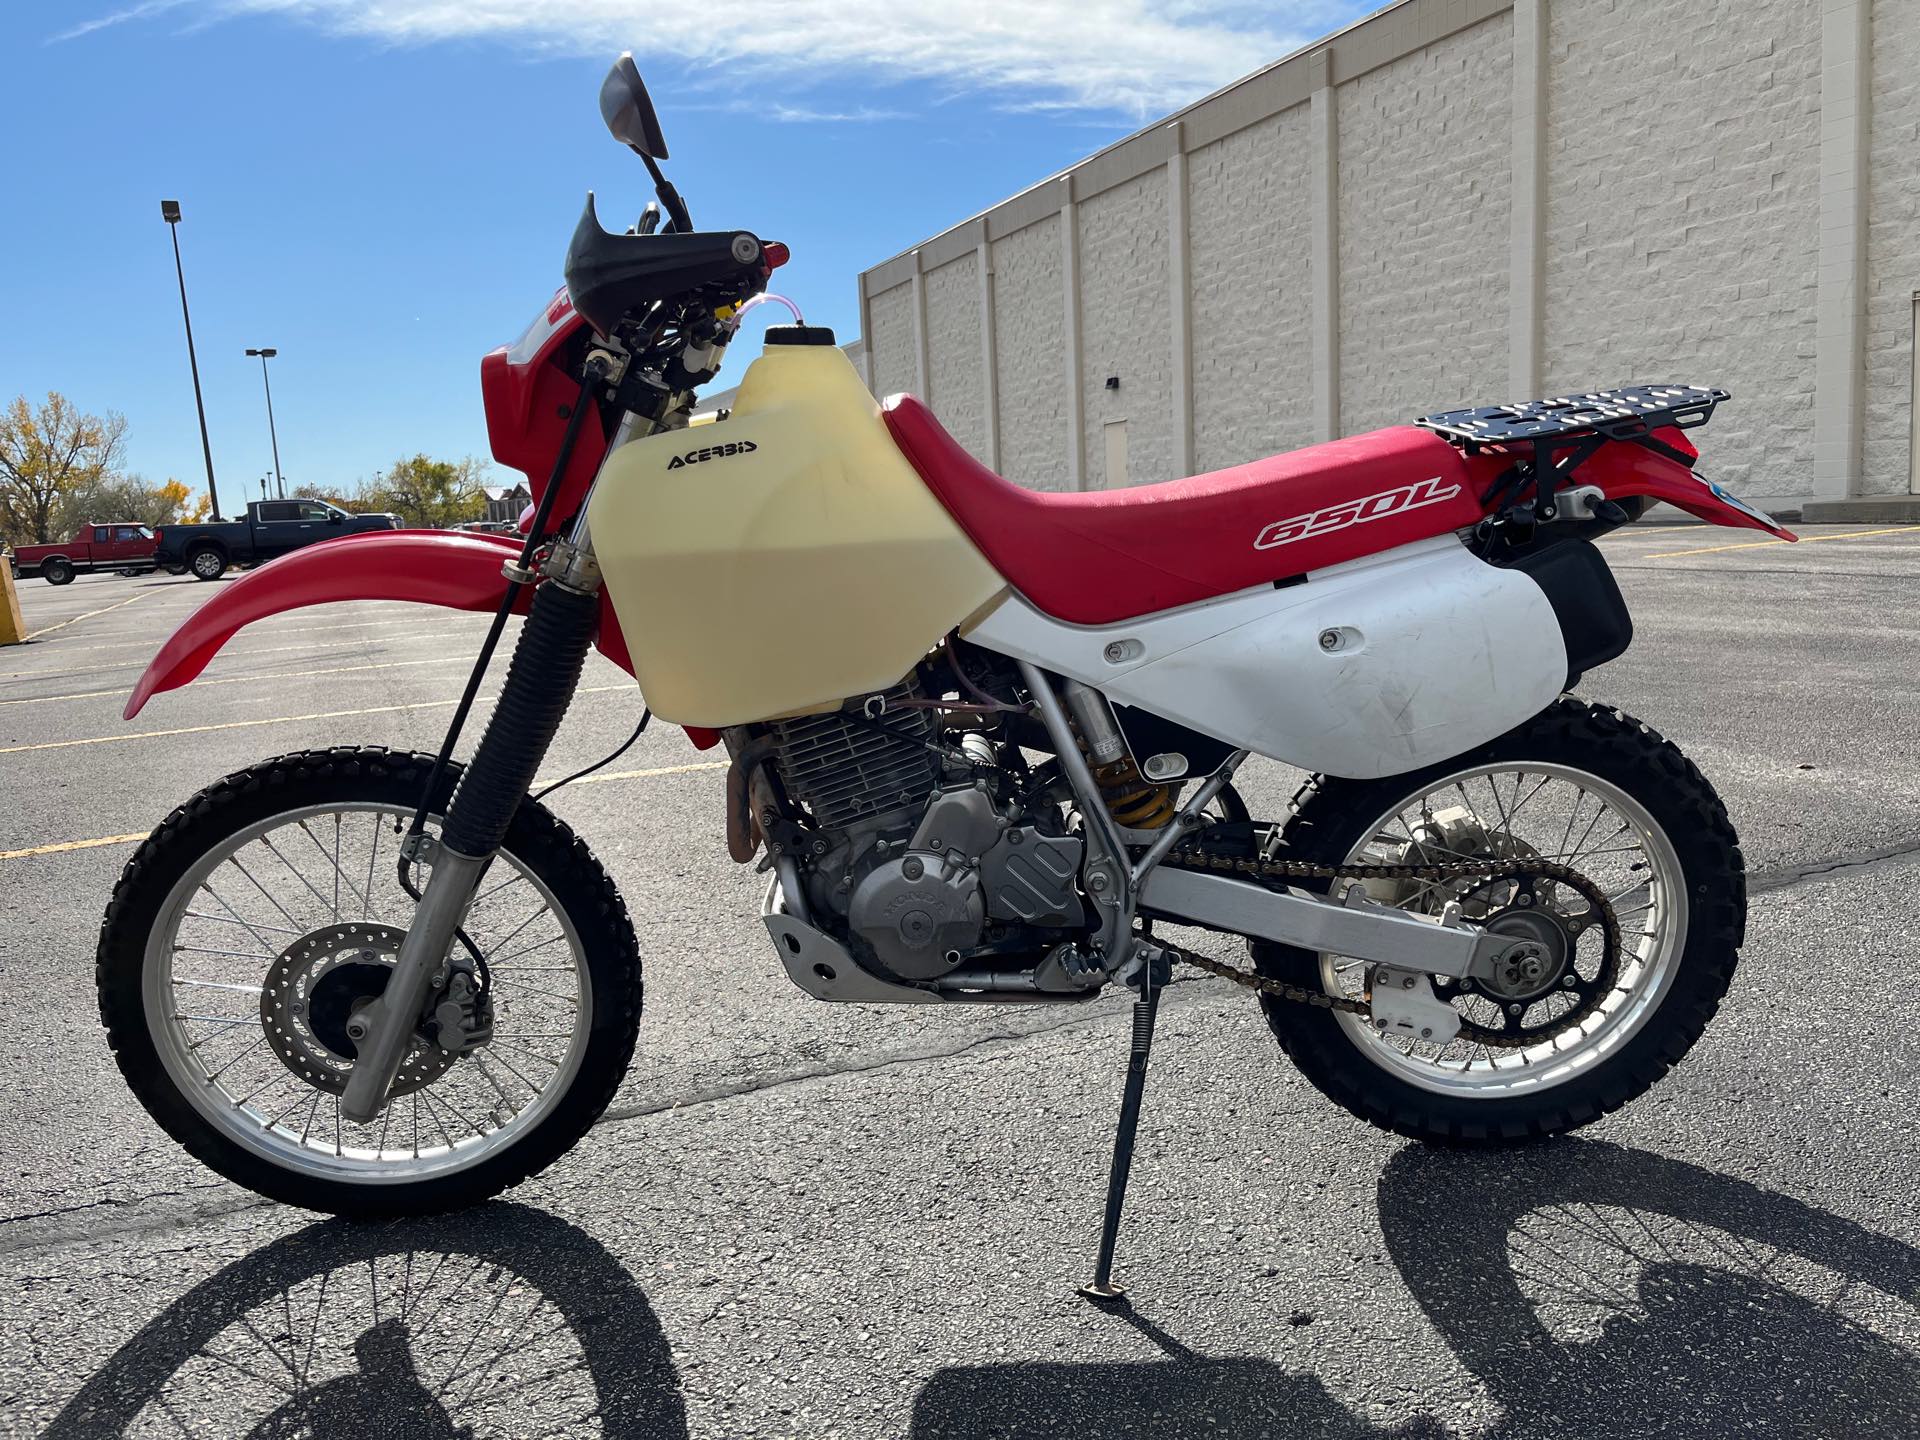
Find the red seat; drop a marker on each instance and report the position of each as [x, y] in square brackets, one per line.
[1096, 557]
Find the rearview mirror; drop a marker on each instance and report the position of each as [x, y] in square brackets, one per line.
[628, 110]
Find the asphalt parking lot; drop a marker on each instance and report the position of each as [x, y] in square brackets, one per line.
[832, 1221]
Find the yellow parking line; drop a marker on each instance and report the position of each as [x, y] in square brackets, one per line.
[1804, 540]
[118, 604]
[272, 720]
[244, 679]
[66, 845]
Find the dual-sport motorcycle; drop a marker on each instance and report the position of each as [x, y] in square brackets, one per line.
[983, 739]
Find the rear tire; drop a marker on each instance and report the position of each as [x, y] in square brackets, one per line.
[207, 563]
[57, 572]
[161, 879]
[1334, 818]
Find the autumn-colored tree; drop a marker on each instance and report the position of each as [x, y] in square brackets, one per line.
[130, 497]
[428, 493]
[46, 454]
[351, 501]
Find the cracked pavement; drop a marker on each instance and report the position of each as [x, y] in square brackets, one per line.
[814, 1221]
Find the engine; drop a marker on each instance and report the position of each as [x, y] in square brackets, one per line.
[919, 848]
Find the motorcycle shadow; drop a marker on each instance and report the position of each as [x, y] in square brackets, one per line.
[502, 1320]
[1596, 1291]
[1602, 1291]
[1231, 1398]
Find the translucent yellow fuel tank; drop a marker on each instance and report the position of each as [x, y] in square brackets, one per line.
[781, 560]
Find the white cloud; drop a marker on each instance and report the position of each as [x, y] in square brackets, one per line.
[1124, 55]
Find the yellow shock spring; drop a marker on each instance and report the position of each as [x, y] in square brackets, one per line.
[1130, 799]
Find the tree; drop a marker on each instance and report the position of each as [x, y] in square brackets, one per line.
[45, 456]
[352, 501]
[428, 493]
[130, 497]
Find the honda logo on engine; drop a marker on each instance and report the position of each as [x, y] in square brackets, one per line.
[1356, 512]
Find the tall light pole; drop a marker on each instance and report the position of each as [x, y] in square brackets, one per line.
[170, 212]
[279, 480]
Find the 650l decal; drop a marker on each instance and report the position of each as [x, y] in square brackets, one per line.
[1356, 512]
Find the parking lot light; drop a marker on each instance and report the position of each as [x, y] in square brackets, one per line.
[279, 480]
[170, 212]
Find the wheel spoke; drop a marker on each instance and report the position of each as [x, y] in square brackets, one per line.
[220, 1026]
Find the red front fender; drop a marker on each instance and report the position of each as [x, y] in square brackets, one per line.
[455, 569]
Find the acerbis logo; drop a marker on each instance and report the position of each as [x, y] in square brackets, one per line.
[1356, 512]
[713, 452]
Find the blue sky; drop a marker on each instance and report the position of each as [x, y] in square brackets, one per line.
[383, 189]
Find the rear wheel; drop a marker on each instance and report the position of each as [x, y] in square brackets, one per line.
[262, 914]
[207, 563]
[57, 572]
[1565, 1041]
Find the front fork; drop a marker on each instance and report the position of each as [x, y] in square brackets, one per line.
[540, 683]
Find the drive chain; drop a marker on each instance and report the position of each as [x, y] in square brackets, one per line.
[1197, 857]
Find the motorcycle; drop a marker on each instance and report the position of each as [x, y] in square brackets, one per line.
[982, 739]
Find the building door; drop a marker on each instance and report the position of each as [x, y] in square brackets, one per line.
[1115, 432]
[1913, 407]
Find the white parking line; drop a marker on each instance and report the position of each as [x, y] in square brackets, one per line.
[271, 720]
[153, 642]
[246, 679]
[117, 605]
[241, 652]
[64, 846]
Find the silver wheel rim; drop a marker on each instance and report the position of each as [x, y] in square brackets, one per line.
[1600, 830]
[206, 563]
[247, 900]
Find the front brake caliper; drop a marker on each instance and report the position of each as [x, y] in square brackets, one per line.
[463, 1014]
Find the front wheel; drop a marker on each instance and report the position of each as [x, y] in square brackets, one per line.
[265, 911]
[1562, 1040]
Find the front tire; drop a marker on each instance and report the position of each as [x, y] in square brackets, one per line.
[257, 917]
[1682, 913]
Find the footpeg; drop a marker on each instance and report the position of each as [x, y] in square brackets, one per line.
[1402, 1002]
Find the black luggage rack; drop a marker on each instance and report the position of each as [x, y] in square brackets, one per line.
[1565, 430]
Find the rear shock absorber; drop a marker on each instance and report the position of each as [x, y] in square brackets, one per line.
[1133, 801]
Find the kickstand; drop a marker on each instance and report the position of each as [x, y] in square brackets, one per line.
[1146, 1007]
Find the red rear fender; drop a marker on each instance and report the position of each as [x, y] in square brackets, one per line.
[1624, 471]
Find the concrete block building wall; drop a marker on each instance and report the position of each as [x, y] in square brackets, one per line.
[1028, 314]
[1124, 328]
[1251, 292]
[954, 365]
[1893, 248]
[1458, 201]
[1425, 191]
[1682, 217]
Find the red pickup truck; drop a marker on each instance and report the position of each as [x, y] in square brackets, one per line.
[118, 546]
